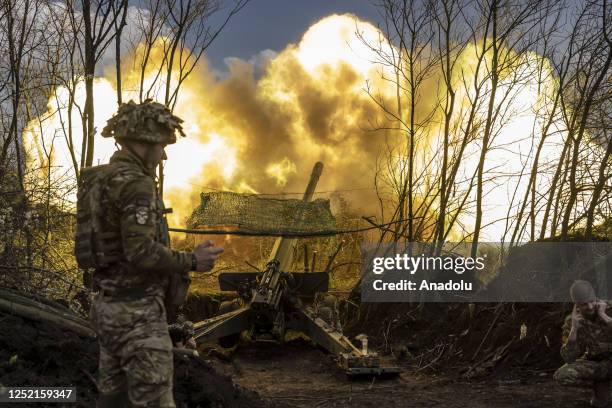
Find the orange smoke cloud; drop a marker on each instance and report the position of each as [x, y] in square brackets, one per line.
[309, 105]
[252, 133]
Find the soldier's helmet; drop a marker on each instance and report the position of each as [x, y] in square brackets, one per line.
[582, 291]
[147, 122]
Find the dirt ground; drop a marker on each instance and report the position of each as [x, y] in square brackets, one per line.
[299, 375]
[296, 374]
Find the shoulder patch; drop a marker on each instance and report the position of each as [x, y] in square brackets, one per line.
[142, 215]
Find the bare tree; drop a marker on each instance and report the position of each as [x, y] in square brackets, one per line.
[120, 23]
[99, 19]
[183, 31]
[407, 52]
[595, 57]
[20, 36]
[509, 24]
[475, 102]
[600, 196]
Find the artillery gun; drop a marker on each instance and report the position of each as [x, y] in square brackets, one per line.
[274, 301]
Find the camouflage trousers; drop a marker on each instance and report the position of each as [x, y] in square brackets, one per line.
[583, 373]
[136, 358]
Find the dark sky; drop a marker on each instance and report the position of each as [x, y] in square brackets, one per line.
[272, 24]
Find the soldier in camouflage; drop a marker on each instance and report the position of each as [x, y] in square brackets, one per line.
[587, 344]
[326, 308]
[129, 313]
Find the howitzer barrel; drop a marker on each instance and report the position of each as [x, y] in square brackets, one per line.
[283, 247]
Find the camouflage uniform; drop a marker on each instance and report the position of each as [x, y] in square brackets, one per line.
[589, 358]
[326, 308]
[128, 314]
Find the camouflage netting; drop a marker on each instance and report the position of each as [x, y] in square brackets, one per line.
[265, 216]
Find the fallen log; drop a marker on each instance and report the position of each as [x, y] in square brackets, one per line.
[23, 306]
[13, 303]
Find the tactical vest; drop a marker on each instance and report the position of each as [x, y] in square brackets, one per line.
[95, 247]
[98, 247]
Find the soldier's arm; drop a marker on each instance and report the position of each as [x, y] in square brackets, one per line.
[138, 228]
[605, 312]
[570, 344]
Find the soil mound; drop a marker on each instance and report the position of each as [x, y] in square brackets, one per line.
[475, 339]
[471, 340]
[42, 354]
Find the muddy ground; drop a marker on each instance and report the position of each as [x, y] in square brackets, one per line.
[299, 375]
[296, 374]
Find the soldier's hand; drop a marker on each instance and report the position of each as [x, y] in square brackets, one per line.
[601, 307]
[576, 318]
[206, 254]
